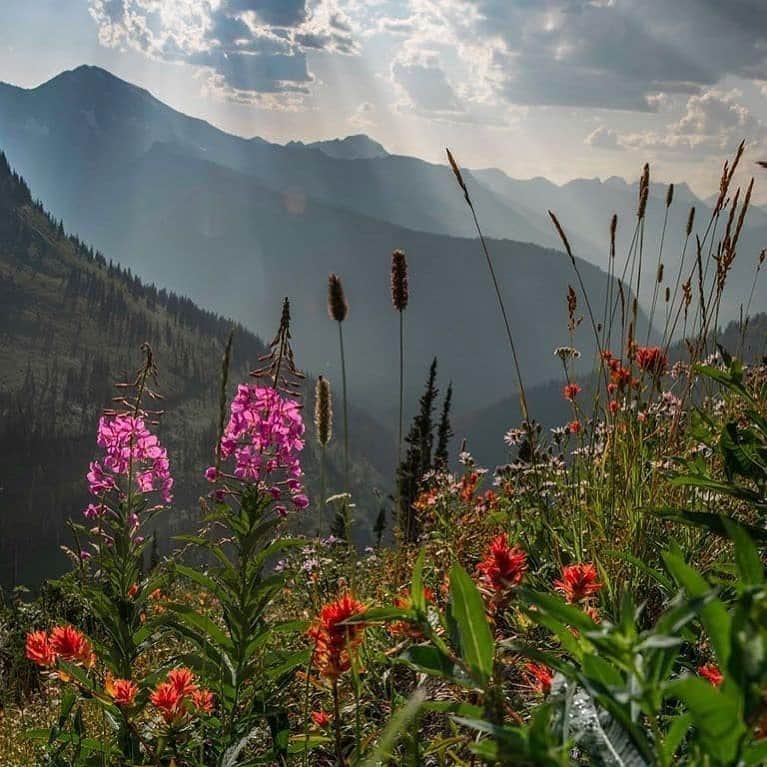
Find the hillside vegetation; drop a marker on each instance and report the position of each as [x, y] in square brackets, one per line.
[70, 328]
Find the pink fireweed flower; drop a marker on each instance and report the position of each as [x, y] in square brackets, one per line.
[264, 436]
[211, 473]
[129, 448]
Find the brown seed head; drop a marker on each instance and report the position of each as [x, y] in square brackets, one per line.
[690, 220]
[323, 411]
[669, 195]
[643, 201]
[399, 287]
[613, 228]
[337, 306]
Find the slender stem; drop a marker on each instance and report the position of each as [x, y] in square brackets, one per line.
[323, 490]
[337, 725]
[402, 384]
[346, 409]
[518, 370]
[656, 287]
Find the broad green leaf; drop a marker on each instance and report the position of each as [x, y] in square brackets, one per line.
[468, 612]
[747, 557]
[714, 615]
[718, 723]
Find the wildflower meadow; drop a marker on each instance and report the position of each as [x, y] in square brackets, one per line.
[599, 599]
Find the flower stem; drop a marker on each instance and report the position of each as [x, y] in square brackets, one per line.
[337, 725]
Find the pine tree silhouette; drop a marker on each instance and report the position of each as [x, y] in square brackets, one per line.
[418, 458]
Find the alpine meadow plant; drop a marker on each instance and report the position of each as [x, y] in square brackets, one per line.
[238, 652]
[130, 485]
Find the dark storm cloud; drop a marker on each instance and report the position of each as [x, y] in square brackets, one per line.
[277, 13]
[615, 53]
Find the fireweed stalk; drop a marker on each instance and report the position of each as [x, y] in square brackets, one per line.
[257, 484]
[130, 484]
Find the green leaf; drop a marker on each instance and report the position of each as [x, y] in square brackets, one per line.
[429, 660]
[715, 523]
[714, 615]
[202, 624]
[417, 595]
[394, 729]
[747, 558]
[559, 609]
[718, 723]
[675, 735]
[468, 612]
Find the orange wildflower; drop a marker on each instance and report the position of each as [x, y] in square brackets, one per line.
[335, 642]
[503, 566]
[167, 699]
[578, 582]
[38, 649]
[182, 680]
[711, 672]
[539, 677]
[122, 691]
[70, 644]
[203, 701]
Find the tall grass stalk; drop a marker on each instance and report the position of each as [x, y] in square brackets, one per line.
[338, 309]
[459, 178]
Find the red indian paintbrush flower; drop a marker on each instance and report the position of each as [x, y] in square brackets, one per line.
[574, 427]
[122, 691]
[405, 628]
[182, 680]
[711, 672]
[70, 644]
[578, 582]
[503, 566]
[651, 359]
[167, 700]
[334, 641]
[38, 649]
[571, 391]
[539, 677]
[320, 718]
[203, 701]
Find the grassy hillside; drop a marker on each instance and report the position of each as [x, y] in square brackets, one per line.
[70, 328]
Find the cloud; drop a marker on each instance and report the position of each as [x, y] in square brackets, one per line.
[611, 54]
[714, 120]
[603, 137]
[425, 83]
[250, 48]
[363, 116]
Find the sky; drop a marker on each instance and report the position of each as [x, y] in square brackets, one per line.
[554, 88]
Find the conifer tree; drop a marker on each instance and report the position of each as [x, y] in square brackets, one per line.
[418, 457]
[444, 432]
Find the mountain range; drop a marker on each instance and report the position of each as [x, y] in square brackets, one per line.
[237, 223]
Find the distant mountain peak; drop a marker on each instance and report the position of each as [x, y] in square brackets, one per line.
[91, 75]
[356, 147]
